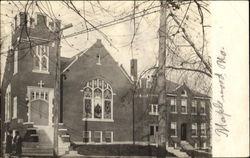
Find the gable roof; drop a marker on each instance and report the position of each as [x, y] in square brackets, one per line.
[67, 63]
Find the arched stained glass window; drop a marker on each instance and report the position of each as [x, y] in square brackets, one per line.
[97, 100]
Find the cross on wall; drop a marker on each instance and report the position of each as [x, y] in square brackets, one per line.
[41, 84]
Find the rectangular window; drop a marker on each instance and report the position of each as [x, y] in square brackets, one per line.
[194, 129]
[86, 136]
[15, 61]
[202, 109]
[153, 130]
[14, 108]
[173, 129]
[154, 109]
[184, 106]
[194, 107]
[97, 136]
[203, 129]
[173, 105]
[108, 137]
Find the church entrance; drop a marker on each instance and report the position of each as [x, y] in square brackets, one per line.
[40, 105]
[39, 112]
[183, 131]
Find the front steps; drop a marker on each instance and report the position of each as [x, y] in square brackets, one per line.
[37, 141]
[64, 141]
[186, 146]
[177, 152]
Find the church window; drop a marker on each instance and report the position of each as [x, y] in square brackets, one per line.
[15, 61]
[97, 101]
[41, 59]
[14, 108]
[8, 103]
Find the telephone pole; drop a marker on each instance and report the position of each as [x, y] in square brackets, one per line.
[57, 92]
[161, 80]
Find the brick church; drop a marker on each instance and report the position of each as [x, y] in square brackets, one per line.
[99, 103]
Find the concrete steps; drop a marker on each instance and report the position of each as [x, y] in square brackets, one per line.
[177, 152]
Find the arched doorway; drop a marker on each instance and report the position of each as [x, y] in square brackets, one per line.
[183, 131]
[39, 110]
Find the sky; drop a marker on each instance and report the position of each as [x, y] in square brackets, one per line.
[116, 38]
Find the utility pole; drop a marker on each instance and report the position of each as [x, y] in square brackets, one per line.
[57, 92]
[161, 80]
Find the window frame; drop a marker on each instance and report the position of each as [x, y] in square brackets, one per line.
[15, 62]
[40, 55]
[14, 116]
[94, 137]
[186, 111]
[89, 136]
[194, 106]
[196, 129]
[7, 110]
[152, 112]
[203, 127]
[175, 125]
[90, 85]
[174, 105]
[104, 137]
[202, 106]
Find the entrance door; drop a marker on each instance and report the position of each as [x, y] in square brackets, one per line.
[39, 112]
[183, 131]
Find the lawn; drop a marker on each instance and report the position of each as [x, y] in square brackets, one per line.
[120, 150]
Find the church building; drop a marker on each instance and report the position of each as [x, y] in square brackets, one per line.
[99, 103]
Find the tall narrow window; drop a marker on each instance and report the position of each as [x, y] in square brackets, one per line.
[8, 103]
[173, 129]
[202, 108]
[14, 108]
[97, 101]
[173, 105]
[194, 107]
[41, 59]
[15, 61]
[184, 106]
[203, 129]
[194, 129]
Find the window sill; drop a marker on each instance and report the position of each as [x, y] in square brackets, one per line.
[98, 120]
[203, 136]
[184, 113]
[173, 112]
[203, 114]
[174, 136]
[42, 72]
[194, 136]
[193, 113]
[156, 114]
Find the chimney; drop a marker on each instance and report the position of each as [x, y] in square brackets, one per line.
[133, 68]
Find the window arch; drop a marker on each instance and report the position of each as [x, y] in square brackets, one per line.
[97, 100]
